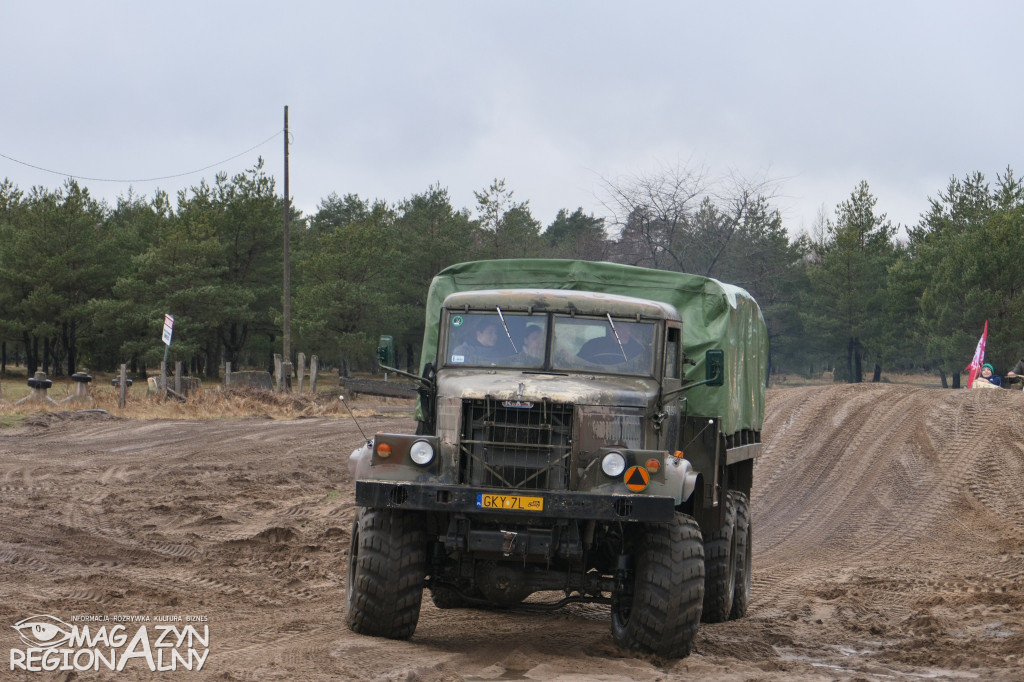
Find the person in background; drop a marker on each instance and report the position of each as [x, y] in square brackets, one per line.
[988, 378]
[1016, 375]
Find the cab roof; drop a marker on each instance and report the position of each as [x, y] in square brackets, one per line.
[560, 301]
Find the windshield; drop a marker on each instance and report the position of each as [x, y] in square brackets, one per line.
[518, 340]
[603, 345]
[495, 339]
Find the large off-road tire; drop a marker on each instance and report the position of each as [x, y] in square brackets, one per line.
[744, 542]
[659, 611]
[386, 569]
[720, 553]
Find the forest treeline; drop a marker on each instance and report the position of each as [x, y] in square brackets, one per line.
[84, 284]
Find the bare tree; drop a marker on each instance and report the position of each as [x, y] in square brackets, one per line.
[679, 218]
[650, 210]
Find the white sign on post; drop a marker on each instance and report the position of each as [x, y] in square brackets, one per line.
[168, 329]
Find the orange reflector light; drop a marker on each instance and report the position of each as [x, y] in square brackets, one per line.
[637, 478]
[383, 450]
[653, 465]
[679, 454]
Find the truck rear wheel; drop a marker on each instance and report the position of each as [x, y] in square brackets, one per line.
[386, 568]
[720, 552]
[659, 609]
[744, 543]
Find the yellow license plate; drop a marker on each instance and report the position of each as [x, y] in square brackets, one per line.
[510, 502]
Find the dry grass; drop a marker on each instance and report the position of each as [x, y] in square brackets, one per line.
[213, 402]
[209, 402]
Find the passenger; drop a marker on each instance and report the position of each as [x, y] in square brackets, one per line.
[533, 343]
[482, 346]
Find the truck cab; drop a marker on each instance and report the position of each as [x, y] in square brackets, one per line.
[548, 392]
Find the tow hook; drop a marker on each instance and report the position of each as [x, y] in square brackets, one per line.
[508, 541]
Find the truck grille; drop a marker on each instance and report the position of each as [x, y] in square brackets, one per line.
[516, 444]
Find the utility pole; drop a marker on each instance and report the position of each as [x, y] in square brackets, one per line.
[286, 364]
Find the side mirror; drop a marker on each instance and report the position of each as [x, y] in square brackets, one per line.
[714, 367]
[386, 351]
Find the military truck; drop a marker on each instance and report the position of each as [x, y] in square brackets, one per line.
[586, 433]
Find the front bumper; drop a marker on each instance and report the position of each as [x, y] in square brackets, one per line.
[556, 504]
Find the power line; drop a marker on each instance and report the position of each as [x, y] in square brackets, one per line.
[164, 177]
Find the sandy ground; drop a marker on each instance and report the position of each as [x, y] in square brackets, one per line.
[888, 527]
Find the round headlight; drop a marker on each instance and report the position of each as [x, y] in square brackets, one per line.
[613, 464]
[421, 452]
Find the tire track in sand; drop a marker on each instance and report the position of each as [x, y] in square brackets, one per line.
[852, 475]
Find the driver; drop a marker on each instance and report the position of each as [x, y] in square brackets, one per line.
[605, 350]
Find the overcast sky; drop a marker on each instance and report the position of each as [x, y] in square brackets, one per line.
[387, 98]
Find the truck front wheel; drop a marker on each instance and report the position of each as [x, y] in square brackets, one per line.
[386, 568]
[659, 608]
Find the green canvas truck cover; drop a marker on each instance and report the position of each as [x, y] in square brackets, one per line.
[714, 315]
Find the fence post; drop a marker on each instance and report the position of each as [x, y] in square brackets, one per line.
[177, 377]
[277, 373]
[286, 376]
[227, 375]
[123, 385]
[301, 370]
[314, 369]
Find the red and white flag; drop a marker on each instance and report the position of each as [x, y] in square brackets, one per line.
[974, 368]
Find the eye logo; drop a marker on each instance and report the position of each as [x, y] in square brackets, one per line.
[43, 631]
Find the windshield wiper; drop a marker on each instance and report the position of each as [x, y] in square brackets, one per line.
[507, 332]
[617, 339]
